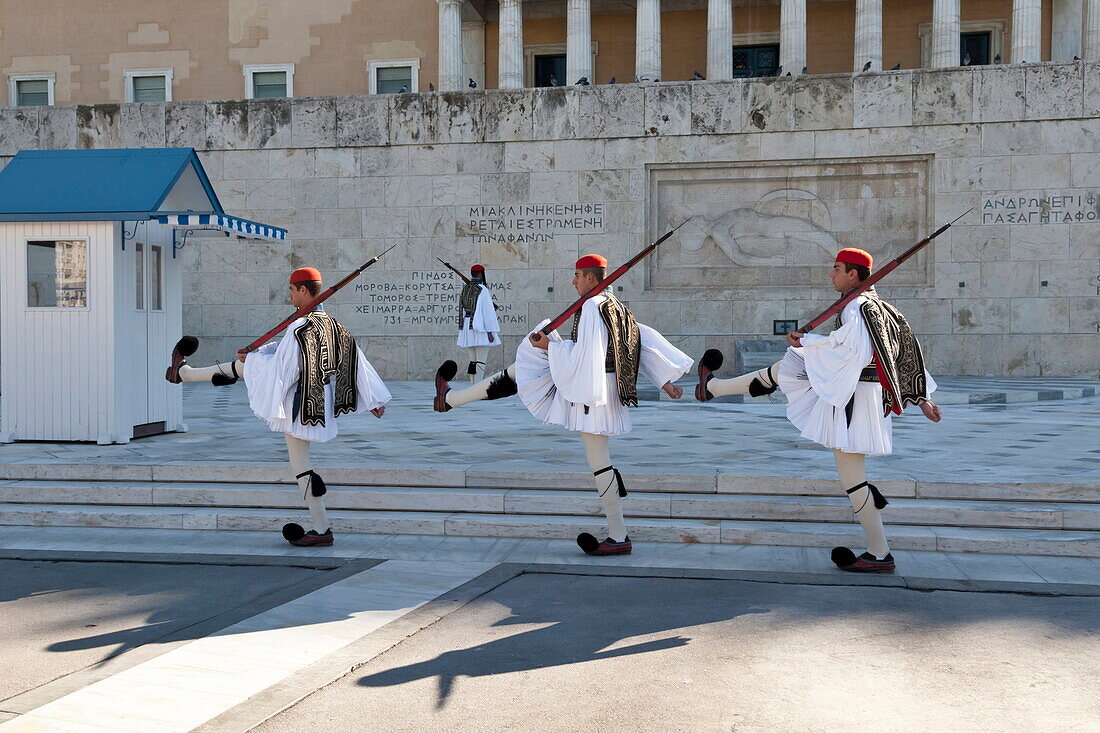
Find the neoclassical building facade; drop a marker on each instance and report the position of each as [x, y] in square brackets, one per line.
[163, 51]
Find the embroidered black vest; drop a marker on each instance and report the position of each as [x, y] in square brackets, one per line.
[467, 301]
[624, 346]
[327, 351]
[898, 351]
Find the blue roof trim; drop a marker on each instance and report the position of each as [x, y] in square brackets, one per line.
[119, 184]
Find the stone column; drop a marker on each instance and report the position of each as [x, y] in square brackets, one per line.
[792, 36]
[1027, 26]
[510, 64]
[450, 45]
[868, 34]
[1092, 30]
[578, 45]
[945, 34]
[647, 40]
[720, 39]
[473, 52]
[1067, 29]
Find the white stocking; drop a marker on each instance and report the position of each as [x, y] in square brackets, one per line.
[598, 453]
[299, 463]
[476, 391]
[740, 385]
[853, 472]
[230, 369]
[478, 354]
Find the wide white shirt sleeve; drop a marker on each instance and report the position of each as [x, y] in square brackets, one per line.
[661, 362]
[577, 368]
[271, 374]
[485, 314]
[834, 362]
[371, 391]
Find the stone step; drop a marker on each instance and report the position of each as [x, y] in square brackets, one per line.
[697, 482]
[933, 512]
[1079, 543]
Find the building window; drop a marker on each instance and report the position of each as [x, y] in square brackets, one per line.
[269, 81]
[148, 85]
[57, 274]
[156, 277]
[139, 279]
[755, 60]
[984, 40]
[394, 76]
[30, 90]
[974, 49]
[550, 70]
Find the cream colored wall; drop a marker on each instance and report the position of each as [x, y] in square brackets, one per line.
[331, 41]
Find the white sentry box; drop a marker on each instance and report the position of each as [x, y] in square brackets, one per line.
[90, 308]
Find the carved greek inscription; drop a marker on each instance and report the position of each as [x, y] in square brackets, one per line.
[524, 223]
[1077, 207]
[429, 298]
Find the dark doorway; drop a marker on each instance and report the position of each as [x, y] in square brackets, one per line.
[974, 49]
[550, 70]
[759, 60]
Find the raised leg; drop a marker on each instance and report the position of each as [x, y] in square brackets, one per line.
[758, 383]
[501, 384]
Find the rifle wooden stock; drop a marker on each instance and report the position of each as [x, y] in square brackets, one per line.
[321, 298]
[622, 270]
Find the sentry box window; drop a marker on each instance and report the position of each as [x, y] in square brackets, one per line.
[57, 274]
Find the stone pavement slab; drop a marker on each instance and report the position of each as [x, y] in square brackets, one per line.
[570, 653]
[1054, 441]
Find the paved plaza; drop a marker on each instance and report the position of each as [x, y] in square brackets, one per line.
[1037, 441]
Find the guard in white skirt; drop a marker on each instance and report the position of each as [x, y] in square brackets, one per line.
[835, 395]
[299, 385]
[478, 327]
[584, 384]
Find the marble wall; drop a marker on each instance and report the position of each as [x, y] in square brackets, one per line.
[777, 171]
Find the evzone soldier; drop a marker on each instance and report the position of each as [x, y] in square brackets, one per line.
[299, 385]
[584, 384]
[478, 328]
[836, 399]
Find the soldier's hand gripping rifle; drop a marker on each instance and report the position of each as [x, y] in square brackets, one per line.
[321, 298]
[622, 270]
[882, 272]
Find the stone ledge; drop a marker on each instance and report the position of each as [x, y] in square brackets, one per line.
[1007, 93]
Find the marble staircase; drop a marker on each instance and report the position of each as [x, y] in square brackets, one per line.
[1002, 518]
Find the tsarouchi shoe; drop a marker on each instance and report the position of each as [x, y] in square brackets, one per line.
[847, 561]
[443, 375]
[296, 535]
[184, 348]
[593, 546]
[708, 365]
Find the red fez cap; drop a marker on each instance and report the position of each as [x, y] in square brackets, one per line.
[591, 261]
[477, 269]
[854, 256]
[304, 274]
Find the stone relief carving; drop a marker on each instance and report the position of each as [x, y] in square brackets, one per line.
[776, 224]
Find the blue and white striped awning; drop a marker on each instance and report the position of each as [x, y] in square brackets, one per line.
[242, 228]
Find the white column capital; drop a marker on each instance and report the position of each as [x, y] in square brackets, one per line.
[868, 36]
[1027, 31]
[792, 36]
[510, 59]
[720, 39]
[578, 45]
[945, 33]
[647, 53]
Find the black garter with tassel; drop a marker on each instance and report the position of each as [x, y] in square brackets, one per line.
[880, 500]
[618, 478]
[316, 483]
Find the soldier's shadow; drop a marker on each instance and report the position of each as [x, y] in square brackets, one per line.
[574, 628]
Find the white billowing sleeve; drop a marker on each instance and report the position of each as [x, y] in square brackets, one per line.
[661, 362]
[371, 391]
[271, 374]
[834, 362]
[485, 315]
[577, 368]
